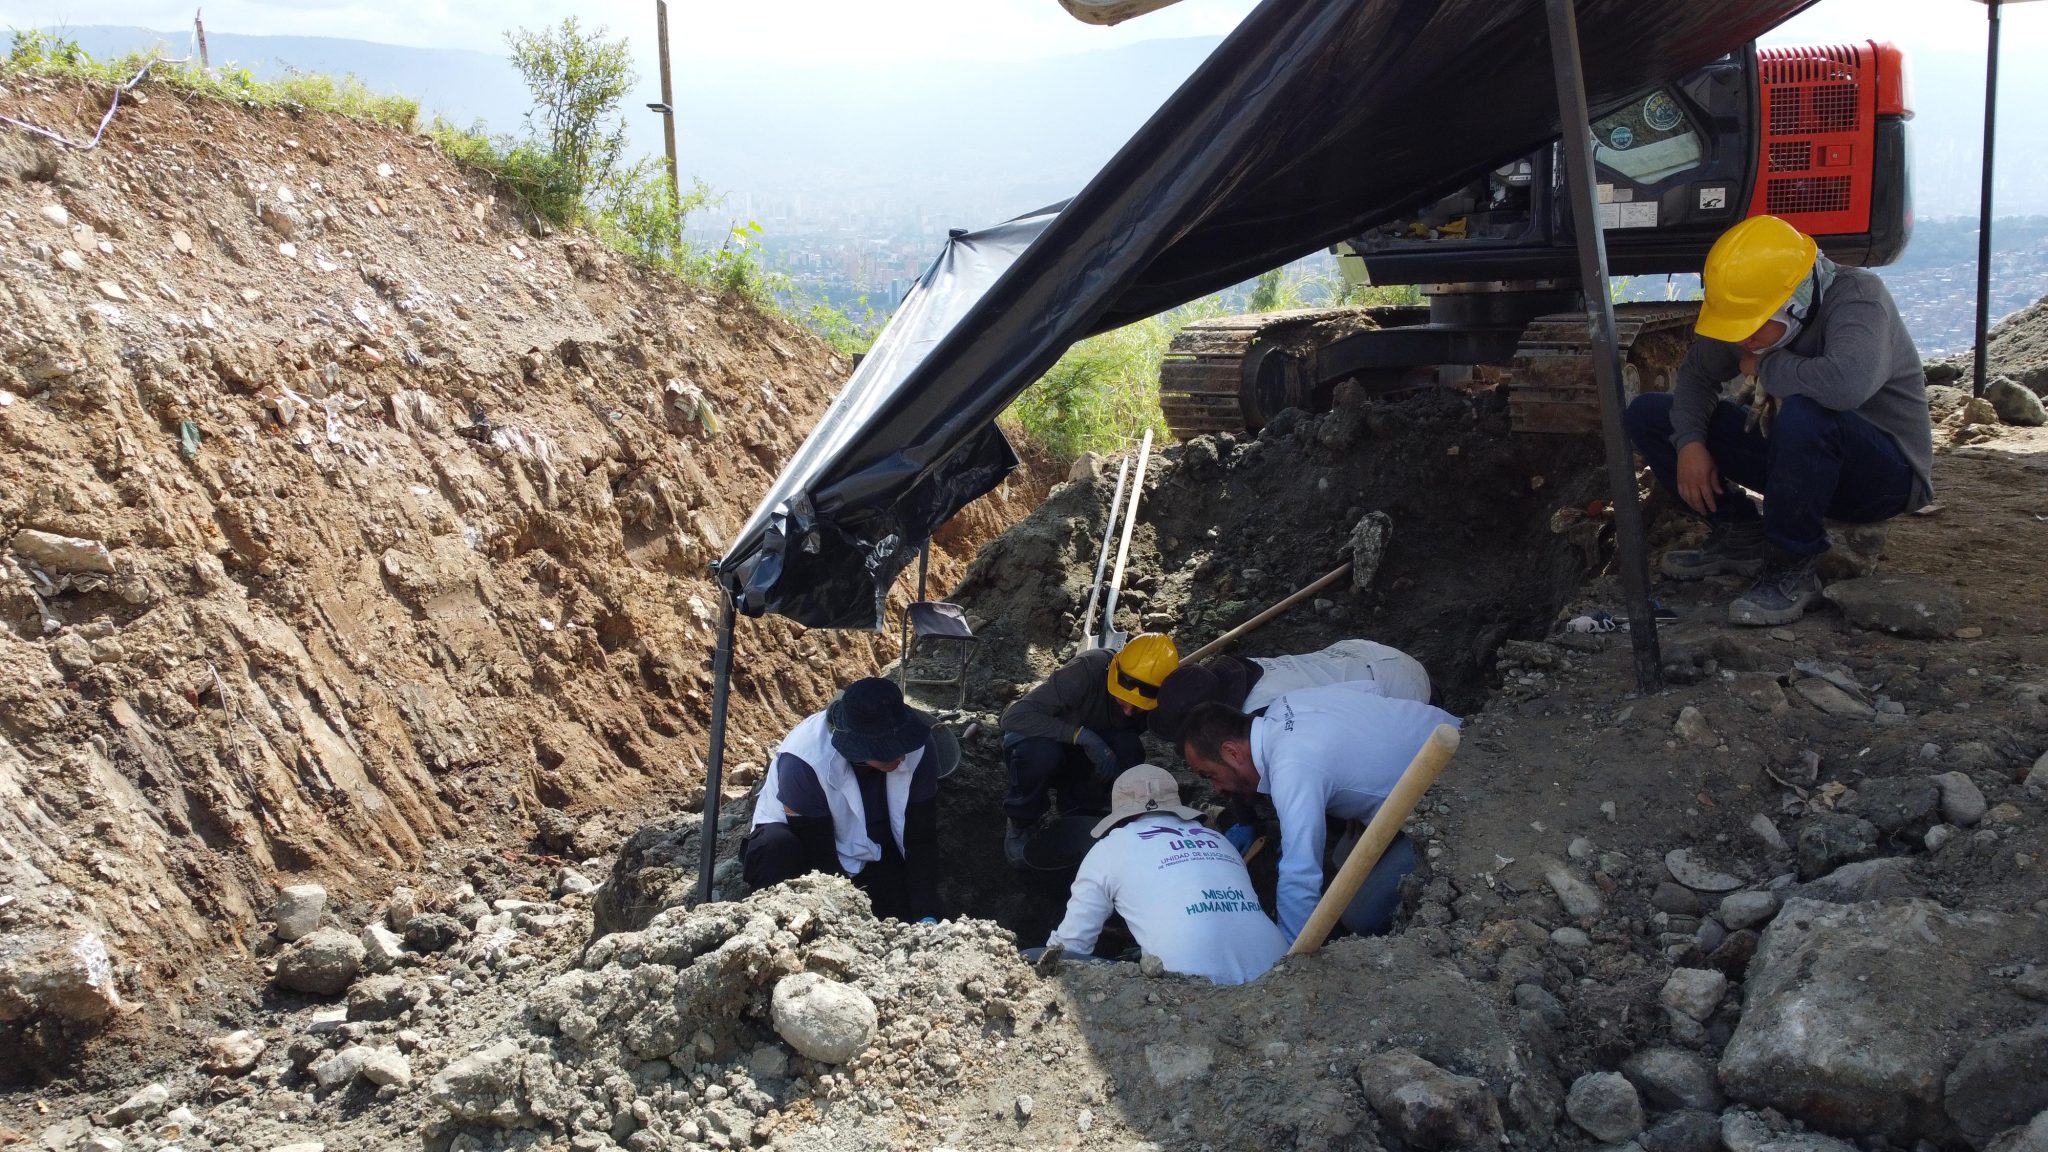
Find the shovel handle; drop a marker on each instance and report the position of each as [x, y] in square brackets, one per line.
[1415, 780]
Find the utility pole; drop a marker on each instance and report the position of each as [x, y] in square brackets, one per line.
[667, 107]
[199, 32]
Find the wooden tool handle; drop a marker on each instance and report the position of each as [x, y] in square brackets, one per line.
[1420, 774]
[1263, 618]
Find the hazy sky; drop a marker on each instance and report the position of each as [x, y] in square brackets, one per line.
[890, 30]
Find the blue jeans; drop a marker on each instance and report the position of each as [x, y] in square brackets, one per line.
[1040, 766]
[1817, 464]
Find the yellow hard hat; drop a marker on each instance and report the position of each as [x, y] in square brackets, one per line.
[1136, 672]
[1752, 270]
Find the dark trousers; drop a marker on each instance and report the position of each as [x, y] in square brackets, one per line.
[1039, 767]
[1817, 464]
[772, 854]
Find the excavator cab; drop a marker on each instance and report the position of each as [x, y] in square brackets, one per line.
[1816, 136]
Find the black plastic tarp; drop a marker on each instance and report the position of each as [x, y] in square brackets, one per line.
[1310, 123]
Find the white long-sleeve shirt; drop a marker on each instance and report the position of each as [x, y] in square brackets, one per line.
[1185, 894]
[1392, 671]
[1330, 751]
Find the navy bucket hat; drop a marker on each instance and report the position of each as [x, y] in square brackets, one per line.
[869, 721]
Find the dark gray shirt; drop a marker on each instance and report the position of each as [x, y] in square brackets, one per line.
[1854, 355]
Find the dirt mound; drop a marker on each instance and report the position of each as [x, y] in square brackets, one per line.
[1230, 525]
[2018, 347]
[342, 520]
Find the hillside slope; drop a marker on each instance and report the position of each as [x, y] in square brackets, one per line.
[398, 525]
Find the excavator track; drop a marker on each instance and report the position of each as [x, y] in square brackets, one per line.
[1552, 388]
[1234, 373]
[1202, 376]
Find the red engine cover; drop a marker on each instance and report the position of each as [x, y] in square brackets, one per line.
[1820, 110]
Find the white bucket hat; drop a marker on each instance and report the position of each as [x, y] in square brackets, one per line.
[1140, 791]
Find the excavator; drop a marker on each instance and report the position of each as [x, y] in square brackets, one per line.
[1815, 135]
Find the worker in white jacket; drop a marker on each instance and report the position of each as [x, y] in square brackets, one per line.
[1251, 685]
[1329, 752]
[1180, 887]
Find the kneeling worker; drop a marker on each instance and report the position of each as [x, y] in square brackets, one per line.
[853, 790]
[1320, 753]
[1249, 685]
[1181, 888]
[1076, 731]
[1851, 439]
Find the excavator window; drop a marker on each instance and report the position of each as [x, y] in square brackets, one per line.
[1648, 141]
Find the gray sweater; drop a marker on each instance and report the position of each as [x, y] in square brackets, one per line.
[1853, 356]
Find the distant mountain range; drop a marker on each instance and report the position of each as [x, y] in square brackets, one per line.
[974, 142]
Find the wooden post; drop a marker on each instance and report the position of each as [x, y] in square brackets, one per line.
[668, 102]
[199, 33]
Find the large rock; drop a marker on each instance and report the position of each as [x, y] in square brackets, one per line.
[1901, 605]
[382, 998]
[484, 1087]
[1885, 878]
[1683, 1132]
[1606, 1105]
[2032, 1138]
[59, 977]
[1671, 1079]
[234, 1054]
[297, 910]
[1694, 991]
[1902, 807]
[1962, 802]
[321, 963]
[1753, 909]
[147, 1101]
[1427, 1106]
[2014, 404]
[1579, 898]
[62, 555]
[1999, 1083]
[1855, 1014]
[382, 949]
[828, 1021]
[1831, 839]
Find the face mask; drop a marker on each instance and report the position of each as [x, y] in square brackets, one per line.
[1792, 327]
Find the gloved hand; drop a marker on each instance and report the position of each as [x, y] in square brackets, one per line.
[1241, 837]
[1100, 754]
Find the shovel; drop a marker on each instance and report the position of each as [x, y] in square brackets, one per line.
[1111, 638]
[1116, 505]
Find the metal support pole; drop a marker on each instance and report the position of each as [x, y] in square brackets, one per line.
[668, 102]
[1984, 201]
[924, 559]
[1631, 552]
[714, 758]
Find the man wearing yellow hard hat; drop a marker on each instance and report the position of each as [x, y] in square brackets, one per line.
[1074, 733]
[1851, 439]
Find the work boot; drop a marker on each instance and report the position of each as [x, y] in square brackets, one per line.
[1781, 595]
[1014, 839]
[1735, 547]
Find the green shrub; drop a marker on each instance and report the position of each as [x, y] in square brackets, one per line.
[42, 54]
